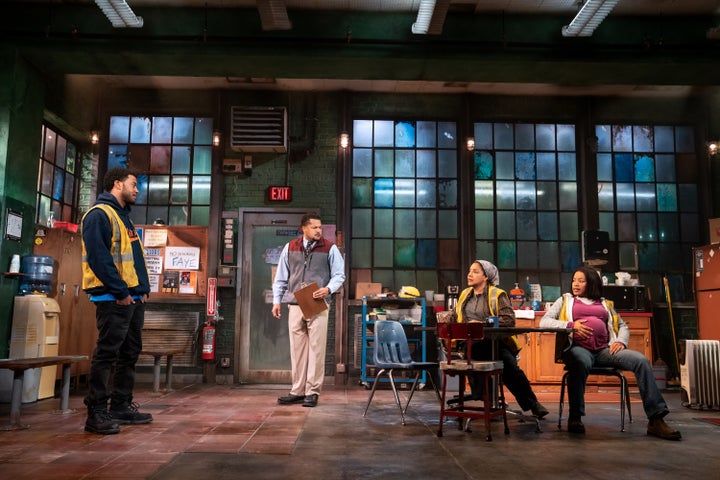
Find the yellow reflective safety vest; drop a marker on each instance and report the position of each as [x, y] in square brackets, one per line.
[120, 249]
[493, 294]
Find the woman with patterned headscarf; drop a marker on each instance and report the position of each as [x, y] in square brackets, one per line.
[480, 300]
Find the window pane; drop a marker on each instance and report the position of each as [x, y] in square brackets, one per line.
[183, 129]
[644, 168]
[119, 129]
[384, 190]
[405, 163]
[447, 135]
[362, 162]
[645, 197]
[643, 138]
[505, 225]
[362, 192]
[566, 138]
[202, 161]
[70, 158]
[384, 134]
[448, 193]
[426, 222]
[404, 223]
[426, 163]
[426, 135]
[526, 225]
[160, 159]
[58, 183]
[525, 166]
[426, 193]
[505, 165]
[621, 138]
[180, 192]
[361, 222]
[447, 225]
[362, 133]
[404, 253]
[404, 193]
[200, 215]
[203, 131]
[181, 159]
[545, 136]
[483, 136]
[68, 195]
[159, 189]
[362, 253]
[484, 225]
[383, 224]
[503, 136]
[178, 216]
[567, 166]
[546, 166]
[667, 228]
[384, 163]
[625, 196]
[604, 167]
[505, 195]
[162, 129]
[606, 196]
[664, 139]
[405, 134]
[201, 189]
[547, 226]
[447, 164]
[665, 171]
[547, 196]
[139, 130]
[483, 194]
[117, 156]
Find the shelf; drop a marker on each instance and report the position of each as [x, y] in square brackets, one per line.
[15, 274]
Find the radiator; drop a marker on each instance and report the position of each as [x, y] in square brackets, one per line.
[700, 373]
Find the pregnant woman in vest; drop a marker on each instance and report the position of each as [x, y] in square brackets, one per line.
[600, 338]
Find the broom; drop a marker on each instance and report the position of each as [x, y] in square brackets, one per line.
[675, 380]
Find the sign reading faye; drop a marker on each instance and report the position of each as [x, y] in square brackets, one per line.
[182, 258]
[277, 193]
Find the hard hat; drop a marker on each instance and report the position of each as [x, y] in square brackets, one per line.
[409, 292]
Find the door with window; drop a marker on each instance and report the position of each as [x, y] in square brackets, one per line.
[262, 342]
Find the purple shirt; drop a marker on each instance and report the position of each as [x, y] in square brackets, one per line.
[596, 317]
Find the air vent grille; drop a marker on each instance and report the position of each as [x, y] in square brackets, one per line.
[259, 129]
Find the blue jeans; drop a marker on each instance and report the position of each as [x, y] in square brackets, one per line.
[579, 361]
[117, 349]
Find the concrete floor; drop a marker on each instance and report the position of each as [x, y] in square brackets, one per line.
[230, 431]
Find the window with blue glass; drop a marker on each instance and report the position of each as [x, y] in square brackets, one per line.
[173, 157]
[648, 196]
[404, 204]
[526, 201]
[59, 178]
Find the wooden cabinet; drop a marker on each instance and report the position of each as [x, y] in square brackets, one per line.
[537, 357]
[78, 332]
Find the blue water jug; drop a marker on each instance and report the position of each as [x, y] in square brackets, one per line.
[37, 275]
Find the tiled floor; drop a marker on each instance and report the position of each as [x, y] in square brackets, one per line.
[230, 431]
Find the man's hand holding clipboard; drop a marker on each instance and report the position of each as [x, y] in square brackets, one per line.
[311, 299]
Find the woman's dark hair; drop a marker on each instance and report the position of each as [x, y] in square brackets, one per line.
[593, 285]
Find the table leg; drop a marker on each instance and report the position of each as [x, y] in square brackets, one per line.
[168, 373]
[156, 373]
[65, 393]
[15, 402]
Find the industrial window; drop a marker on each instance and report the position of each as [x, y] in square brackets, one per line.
[173, 157]
[648, 195]
[405, 203]
[58, 178]
[526, 201]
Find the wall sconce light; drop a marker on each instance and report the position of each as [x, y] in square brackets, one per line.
[216, 137]
[470, 144]
[344, 140]
[712, 147]
[94, 137]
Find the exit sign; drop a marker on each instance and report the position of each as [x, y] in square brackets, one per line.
[279, 193]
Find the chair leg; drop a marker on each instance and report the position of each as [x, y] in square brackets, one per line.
[486, 407]
[561, 404]
[627, 401]
[397, 396]
[372, 392]
[412, 389]
[623, 392]
[442, 405]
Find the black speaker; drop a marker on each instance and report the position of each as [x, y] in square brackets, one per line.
[595, 247]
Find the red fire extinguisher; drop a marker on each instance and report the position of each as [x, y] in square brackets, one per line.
[208, 341]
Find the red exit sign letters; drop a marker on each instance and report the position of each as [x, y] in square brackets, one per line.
[278, 193]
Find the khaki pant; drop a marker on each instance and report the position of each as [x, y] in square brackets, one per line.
[308, 339]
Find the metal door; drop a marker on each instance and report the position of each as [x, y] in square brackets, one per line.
[262, 346]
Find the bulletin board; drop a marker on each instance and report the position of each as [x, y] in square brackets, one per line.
[176, 258]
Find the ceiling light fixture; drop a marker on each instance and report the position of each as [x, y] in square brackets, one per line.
[119, 13]
[430, 17]
[273, 15]
[591, 14]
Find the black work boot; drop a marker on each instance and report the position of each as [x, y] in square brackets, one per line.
[128, 414]
[99, 421]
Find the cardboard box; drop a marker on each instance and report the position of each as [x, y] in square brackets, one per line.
[714, 230]
[367, 288]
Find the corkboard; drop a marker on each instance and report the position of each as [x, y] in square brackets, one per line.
[195, 280]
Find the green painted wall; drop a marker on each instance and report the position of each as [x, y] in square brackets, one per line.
[21, 110]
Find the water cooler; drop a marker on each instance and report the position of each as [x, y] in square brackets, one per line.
[35, 333]
[35, 330]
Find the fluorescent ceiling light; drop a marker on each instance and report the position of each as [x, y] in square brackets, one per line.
[273, 15]
[591, 14]
[430, 17]
[119, 13]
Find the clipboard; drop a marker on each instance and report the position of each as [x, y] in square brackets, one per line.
[310, 306]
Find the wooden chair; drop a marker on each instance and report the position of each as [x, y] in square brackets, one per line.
[485, 371]
[560, 343]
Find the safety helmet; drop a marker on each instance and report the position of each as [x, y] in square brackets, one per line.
[409, 292]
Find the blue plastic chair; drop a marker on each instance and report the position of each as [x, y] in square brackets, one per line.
[392, 353]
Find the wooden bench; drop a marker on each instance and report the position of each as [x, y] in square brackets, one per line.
[19, 365]
[158, 354]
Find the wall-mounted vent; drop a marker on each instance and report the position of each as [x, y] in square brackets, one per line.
[259, 129]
